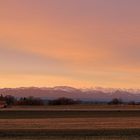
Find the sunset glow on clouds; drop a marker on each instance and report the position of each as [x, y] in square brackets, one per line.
[81, 43]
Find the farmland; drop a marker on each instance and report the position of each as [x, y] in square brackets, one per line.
[70, 122]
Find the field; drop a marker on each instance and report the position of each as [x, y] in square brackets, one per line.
[70, 123]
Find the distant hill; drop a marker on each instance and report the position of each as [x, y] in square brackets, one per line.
[96, 94]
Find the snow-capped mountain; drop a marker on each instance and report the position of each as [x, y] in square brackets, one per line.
[95, 94]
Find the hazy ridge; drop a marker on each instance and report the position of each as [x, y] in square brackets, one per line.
[96, 94]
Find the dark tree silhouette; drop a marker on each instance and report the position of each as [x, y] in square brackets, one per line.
[115, 101]
[62, 101]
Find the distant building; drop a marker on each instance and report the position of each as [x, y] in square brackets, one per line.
[3, 104]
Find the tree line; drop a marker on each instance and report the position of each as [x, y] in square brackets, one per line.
[11, 100]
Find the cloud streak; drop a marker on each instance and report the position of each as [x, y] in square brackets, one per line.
[91, 43]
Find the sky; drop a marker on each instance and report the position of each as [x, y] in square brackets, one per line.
[80, 43]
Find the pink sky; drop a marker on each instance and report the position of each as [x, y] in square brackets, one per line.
[81, 43]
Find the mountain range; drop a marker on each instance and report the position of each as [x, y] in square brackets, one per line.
[93, 94]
